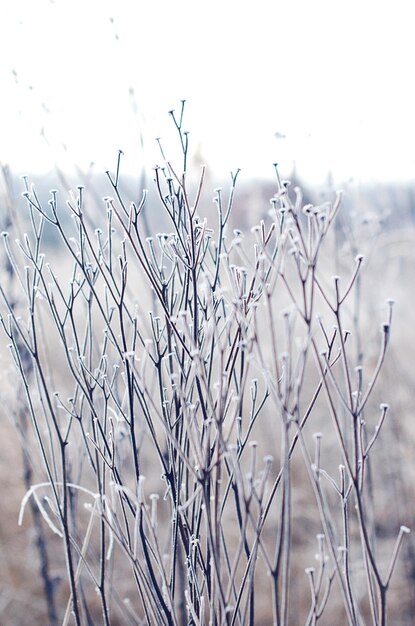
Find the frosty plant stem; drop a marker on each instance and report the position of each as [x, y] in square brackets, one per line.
[169, 378]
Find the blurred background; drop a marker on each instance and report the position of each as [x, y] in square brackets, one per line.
[326, 85]
[324, 88]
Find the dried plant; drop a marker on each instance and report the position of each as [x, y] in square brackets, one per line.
[177, 385]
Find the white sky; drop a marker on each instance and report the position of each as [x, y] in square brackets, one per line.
[334, 76]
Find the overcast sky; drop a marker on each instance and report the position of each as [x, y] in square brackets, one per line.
[325, 83]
